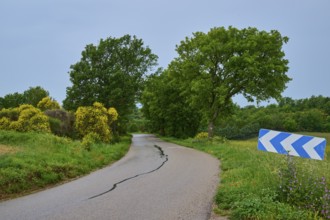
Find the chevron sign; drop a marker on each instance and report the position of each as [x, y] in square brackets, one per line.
[292, 144]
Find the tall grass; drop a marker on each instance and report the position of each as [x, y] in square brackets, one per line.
[250, 186]
[41, 160]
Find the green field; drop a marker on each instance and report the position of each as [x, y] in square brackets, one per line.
[251, 187]
[32, 161]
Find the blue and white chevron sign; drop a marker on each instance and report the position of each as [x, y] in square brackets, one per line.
[292, 144]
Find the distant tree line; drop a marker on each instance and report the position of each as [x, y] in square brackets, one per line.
[31, 96]
[310, 114]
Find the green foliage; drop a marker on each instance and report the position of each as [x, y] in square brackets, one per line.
[48, 103]
[137, 122]
[213, 67]
[90, 139]
[41, 160]
[303, 188]
[24, 118]
[167, 109]
[95, 119]
[219, 139]
[202, 136]
[250, 184]
[4, 123]
[265, 207]
[61, 122]
[12, 100]
[289, 115]
[32, 96]
[55, 125]
[112, 73]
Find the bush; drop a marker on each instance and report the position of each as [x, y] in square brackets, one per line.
[4, 123]
[113, 115]
[11, 113]
[65, 126]
[24, 118]
[303, 189]
[94, 119]
[48, 104]
[311, 120]
[55, 125]
[90, 139]
[202, 136]
[219, 139]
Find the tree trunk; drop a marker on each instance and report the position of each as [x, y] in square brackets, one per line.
[212, 120]
[210, 129]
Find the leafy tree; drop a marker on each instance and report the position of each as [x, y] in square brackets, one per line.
[12, 100]
[34, 95]
[167, 108]
[215, 66]
[311, 120]
[136, 121]
[111, 72]
[290, 124]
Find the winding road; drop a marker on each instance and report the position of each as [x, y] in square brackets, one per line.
[156, 180]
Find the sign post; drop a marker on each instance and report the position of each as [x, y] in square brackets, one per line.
[291, 144]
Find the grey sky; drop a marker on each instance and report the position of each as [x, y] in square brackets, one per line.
[40, 39]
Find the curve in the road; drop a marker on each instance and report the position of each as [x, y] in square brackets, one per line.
[180, 184]
[141, 174]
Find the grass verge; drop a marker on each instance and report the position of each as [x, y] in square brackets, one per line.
[32, 161]
[252, 185]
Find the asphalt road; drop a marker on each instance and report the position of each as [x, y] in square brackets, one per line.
[155, 180]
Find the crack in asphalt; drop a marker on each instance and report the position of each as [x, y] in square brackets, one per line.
[162, 154]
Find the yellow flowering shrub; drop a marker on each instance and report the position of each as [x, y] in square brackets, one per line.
[90, 139]
[24, 118]
[48, 104]
[202, 136]
[93, 119]
[113, 115]
[4, 123]
[10, 113]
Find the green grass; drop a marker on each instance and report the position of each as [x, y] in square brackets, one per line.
[249, 186]
[32, 161]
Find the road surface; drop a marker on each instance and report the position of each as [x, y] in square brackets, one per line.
[156, 180]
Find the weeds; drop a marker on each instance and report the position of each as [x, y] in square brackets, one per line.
[302, 188]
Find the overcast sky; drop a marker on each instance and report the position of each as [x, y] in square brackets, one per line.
[40, 39]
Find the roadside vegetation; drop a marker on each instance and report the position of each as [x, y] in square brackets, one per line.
[261, 185]
[42, 143]
[31, 161]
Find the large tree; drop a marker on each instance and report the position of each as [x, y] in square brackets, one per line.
[213, 67]
[111, 72]
[167, 108]
[34, 95]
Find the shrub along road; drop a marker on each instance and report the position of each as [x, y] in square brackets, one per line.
[155, 180]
